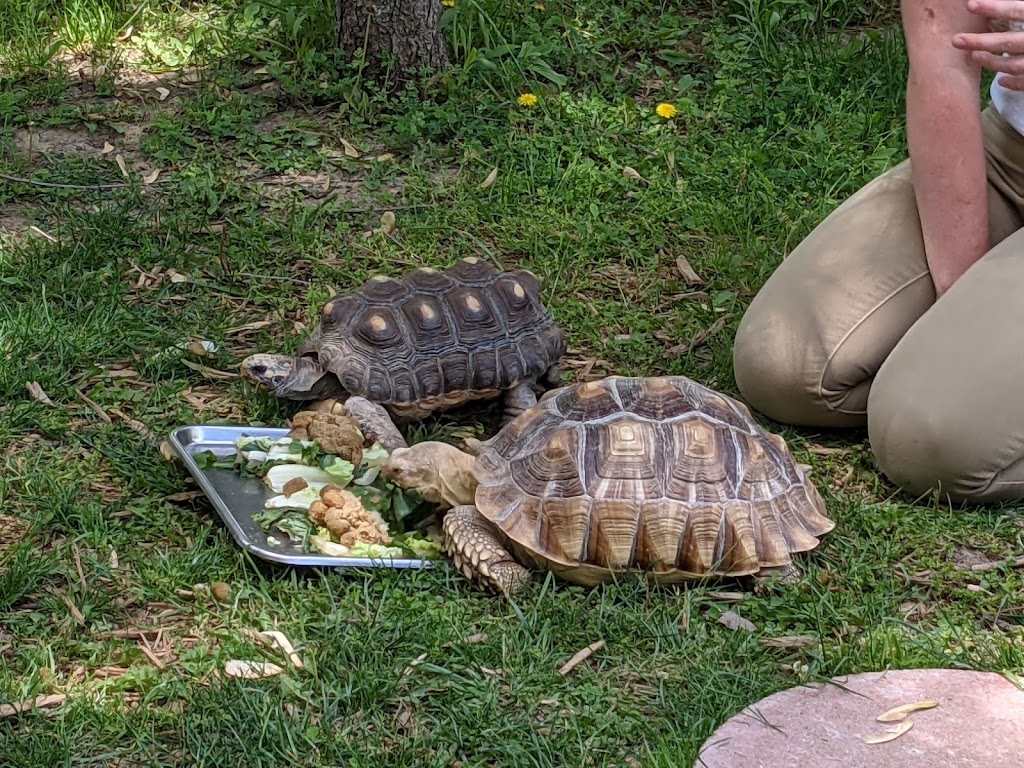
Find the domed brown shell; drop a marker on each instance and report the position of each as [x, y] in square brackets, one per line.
[661, 475]
[435, 340]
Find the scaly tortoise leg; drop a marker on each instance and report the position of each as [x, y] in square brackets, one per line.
[375, 423]
[784, 574]
[476, 549]
[517, 400]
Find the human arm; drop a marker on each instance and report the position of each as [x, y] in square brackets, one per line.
[945, 138]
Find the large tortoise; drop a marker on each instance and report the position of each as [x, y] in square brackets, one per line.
[429, 342]
[660, 476]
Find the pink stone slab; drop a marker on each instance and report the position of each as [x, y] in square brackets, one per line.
[979, 723]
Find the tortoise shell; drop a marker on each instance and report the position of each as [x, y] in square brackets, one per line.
[435, 340]
[654, 474]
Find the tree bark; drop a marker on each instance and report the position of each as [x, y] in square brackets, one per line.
[406, 29]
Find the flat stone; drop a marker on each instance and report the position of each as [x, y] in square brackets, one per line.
[979, 723]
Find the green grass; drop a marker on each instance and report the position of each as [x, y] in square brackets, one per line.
[420, 669]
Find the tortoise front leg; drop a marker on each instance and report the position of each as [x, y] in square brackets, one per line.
[517, 400]
[476, 549]
[375, 423]
[786, 575]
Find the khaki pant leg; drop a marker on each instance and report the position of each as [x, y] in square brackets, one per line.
[811, 341]
[946, 410]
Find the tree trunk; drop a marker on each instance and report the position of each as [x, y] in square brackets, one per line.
[406, 29]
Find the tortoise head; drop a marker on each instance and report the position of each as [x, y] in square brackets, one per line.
[439, 472]
[292, 378]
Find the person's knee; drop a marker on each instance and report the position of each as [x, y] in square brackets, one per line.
[779, 363]
[765, 375]
[919, 446]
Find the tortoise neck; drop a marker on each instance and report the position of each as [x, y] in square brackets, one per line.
[456, 481]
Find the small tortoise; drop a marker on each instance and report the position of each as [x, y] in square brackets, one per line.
[429, 342]
[660, 476]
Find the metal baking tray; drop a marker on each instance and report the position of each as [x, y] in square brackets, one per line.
[237, 499]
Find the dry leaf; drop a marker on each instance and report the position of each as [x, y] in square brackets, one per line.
[890, 734]
[249, 327]
[690, 277]
[176, 277]
[898, 713]
[134, 424]
[413, 664]
[120, 164]
[387, 222]
[162, 93]
[201, 348]
[733, 596]
[586, 653]
[152, 176]
[167, 452]
[349, 149]
[632, 173]
[38, 394]
[126, 35]
[491, 178]
[251, 670]
[734, 621]
[386, 157]
[278, 640]
[107, 148]
[121, 373]
[789, 641]
[39, 702]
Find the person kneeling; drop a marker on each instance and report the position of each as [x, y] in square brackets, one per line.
[902, 311]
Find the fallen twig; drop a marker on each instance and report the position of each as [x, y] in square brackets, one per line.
[147, 649]
[134, 424]
[1014, 563]
[580, 656]
[38, 393]
[700, 337]
[99, 411]
[78, 567]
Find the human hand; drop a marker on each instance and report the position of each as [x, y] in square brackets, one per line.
[986, 48]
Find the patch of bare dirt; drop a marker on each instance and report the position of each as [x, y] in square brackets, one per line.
[275, 121]
[12, 531]
[314, 188]
[67, 142]
[13, 223]
[965, 557]
[59, 141]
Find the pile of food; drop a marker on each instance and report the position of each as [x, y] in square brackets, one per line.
[330, 496]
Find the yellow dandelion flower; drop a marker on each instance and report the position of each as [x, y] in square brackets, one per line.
[448, 3]
[527, 100]
[539, 6]
[667, 111]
